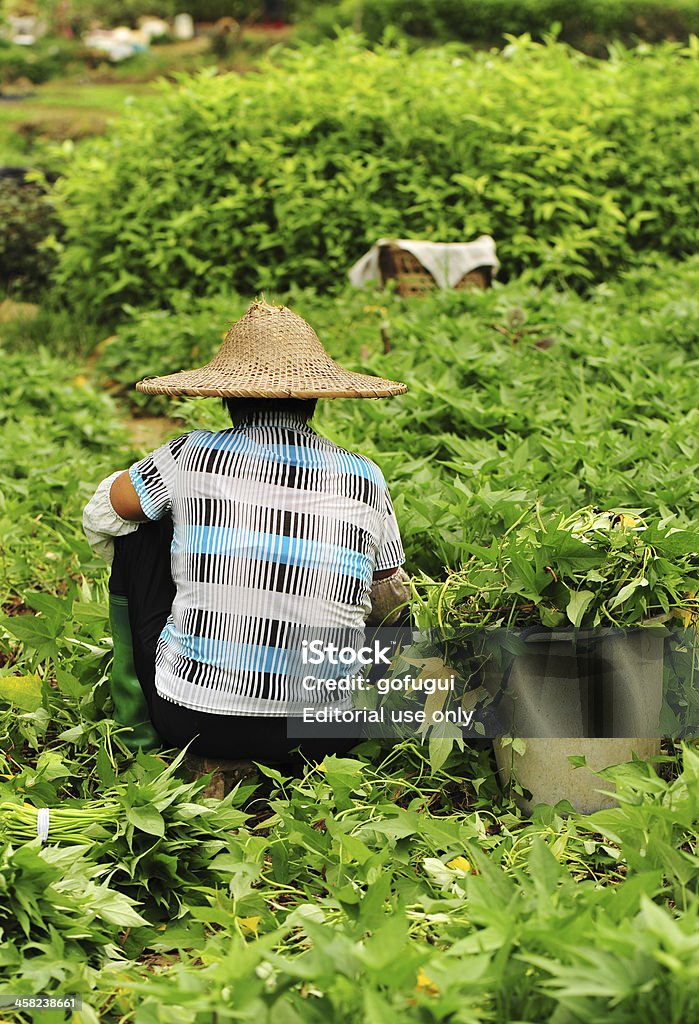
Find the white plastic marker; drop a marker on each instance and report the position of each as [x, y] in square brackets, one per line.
[42, 823]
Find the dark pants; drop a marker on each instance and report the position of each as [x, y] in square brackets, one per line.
[141, 573]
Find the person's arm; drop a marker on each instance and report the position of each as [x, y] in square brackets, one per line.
[390, 589]
[102, 521]
[125, 500]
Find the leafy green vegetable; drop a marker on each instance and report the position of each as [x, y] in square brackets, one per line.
[592, 568]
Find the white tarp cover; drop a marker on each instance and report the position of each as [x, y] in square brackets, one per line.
[446, 261]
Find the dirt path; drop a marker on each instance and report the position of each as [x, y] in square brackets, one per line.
[149, 432]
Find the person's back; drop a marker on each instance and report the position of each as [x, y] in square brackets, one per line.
[231, 548]
[277, 535]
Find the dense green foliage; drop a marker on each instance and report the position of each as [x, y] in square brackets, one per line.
[376, 887]
[370, 888]
[127, 12]
[352, 892]
[592, 24]
[605, 415]
[37, 63]
[589, 569]
[363, 895]
[288, 176]
[55, 434]
[57, 15]
[246, 11]
[27, 217]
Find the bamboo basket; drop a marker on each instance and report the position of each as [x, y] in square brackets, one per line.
[412, 279]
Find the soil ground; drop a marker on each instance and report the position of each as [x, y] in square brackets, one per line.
[149, 432]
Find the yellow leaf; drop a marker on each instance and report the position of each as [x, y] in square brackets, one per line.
[435, 702]
[688, 618]
[431, 670]
[471, 697]
[23, 691]
[250, 924]
[432, 667]
[460, 864]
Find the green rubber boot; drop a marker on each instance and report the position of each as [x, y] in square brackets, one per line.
[130, 706]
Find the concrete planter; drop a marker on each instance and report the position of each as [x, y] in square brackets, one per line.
[577, 694]
[544, 770]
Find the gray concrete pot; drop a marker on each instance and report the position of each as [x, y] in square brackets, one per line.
[604, 706]
[545, 771]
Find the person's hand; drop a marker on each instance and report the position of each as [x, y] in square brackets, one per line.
[390, 591]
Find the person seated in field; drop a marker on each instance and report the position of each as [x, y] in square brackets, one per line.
[228, 545]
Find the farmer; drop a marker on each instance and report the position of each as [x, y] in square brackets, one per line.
[229, 546]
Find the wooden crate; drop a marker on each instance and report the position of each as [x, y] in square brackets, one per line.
[413, 280]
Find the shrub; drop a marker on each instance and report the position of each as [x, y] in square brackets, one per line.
[27, 217]
[245, 10]
[114, 12]
[587, 25]
[574, 166]
[38, 63]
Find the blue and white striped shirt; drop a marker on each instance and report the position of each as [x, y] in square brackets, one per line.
[277, 534]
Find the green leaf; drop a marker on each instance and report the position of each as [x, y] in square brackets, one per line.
[578, 604]
[439, 750]
[105, 768]
[626, 592]
[35, 631]
[147, 819]
[119, 910]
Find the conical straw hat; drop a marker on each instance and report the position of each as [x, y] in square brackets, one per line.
[272, 353]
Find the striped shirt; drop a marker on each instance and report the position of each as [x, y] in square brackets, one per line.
[277, 534]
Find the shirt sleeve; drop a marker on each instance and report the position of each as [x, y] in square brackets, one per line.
[390, 554]
[154, 478]
[101, 523]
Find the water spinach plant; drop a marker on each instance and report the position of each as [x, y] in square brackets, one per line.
[588, 569]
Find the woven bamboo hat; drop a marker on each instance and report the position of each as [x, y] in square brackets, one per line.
[272, 353]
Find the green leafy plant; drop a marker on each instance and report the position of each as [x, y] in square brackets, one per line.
[59, 919]
[590, 28]
[592, 568]
[45, 59]
[28, 218]
[231, 204]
